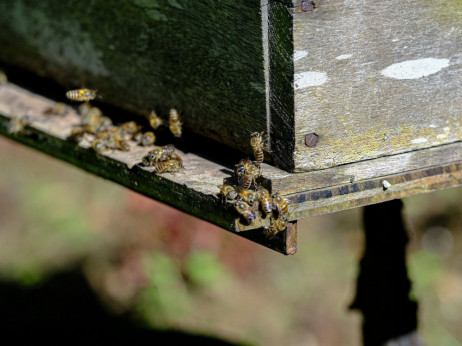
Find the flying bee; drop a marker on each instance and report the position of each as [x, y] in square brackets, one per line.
[247, 196]
[280, 203]
[256, 141]
[244, 209]
[16, 125]
[77, 133]
[148, 138]
[81, 95]
[155, 121]
[170, 166]
[58, 109]
[3, 78]
[129, 128]
[266, 203]
[228, 192]
[98, 145]
[175, 123]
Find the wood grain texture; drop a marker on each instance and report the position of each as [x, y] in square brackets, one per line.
[203, 57]
[376, 78]
[194, 191]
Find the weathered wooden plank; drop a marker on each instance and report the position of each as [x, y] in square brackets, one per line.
[194, 191]
[376, 78]
[287, 183]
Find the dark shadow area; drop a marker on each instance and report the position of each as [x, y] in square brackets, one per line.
[64, 310]
[188, 143]
[383, 286]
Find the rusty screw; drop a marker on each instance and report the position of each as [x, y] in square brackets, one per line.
[311, 140]
[307, 6]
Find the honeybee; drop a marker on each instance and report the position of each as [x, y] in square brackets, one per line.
[160, 154]
[77, 133]
[244, 209]
[155, 121]
[170, 166]
[16, 125]
[59, 109]
[81, 95]
[104, 123]
[280, 203]
[228, 192]
[276, 226]
[251, 174]
[148, 138]
[266, 203]
[129, 128]
[137, 136]
[113, 139]
[256, 141]
[98, 145]
[175, 123]
[3, 78]
[247, 196]
[84, 108]
[241, 167]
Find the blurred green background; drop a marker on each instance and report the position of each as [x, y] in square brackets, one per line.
[171, 270]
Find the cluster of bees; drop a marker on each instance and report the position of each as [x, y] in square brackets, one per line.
[256, 203]
[104, 135]
[108, 136]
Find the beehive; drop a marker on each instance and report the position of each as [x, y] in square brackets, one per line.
[361, 99]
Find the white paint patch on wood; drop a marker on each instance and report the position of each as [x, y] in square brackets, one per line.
[309, 79]
[344, 56]
[419, 140]
[300, 54]
[414, 69]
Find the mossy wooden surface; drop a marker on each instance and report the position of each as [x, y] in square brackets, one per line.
[376, 78]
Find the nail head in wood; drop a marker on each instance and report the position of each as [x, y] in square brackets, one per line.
[307, 6]
[311, 140]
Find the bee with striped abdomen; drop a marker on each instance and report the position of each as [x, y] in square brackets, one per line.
[81, 95]
[281, 204]
[265, 200]
[170, 166]
[256, 141]
[244, 209]
[174, 123]
[276, 226]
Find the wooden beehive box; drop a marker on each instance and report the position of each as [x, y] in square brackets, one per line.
[350, 93]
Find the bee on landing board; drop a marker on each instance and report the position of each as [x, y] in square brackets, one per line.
[81, 95]
[265, 200]
[148, 138]
[276, 226]
[16, 125]
[280, 203]
[244, 209]
[171, 166]
[228, 192]
[174, 123]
